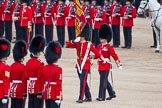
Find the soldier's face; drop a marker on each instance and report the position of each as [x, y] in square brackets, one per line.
[60, 2]
[48, 1]
[86, 3]
[98, 7]
[93, 2]
[127, 3]
[71, 3]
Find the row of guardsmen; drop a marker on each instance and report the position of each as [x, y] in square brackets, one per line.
[40, 14]
[39, 81]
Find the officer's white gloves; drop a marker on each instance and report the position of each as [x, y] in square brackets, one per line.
[4, 100]
[77, 39]
[120, 68]
[58, 102]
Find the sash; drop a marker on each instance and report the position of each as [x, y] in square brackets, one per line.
[84, 59]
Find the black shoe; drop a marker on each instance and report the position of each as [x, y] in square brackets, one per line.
[87, 100]
[126, 47]
[153, 46]
[109, 98]
[100, 99]
[116, 46]
[123, 47]
[79, 101]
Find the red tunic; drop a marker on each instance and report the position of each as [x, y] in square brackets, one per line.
[115, 20]
[16, 13]
[34, 72]
[89, 13]
[107, 51]
[61, 14]
[108, 13]
[17, 79]
[99, 15]
[9, 11]
[52, 76]
[25, 16]
[71, 16]
[39, 13]
[4, 80]
[2, 8]
[128, 22]
[49, 14]
[81, 50]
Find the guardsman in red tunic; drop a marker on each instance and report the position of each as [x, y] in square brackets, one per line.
[129, 13]
[116, 13]
[52, 75]
[16, 19]
[25, 21]
[108, 11]
[8, 19]
[34, 72]
[61, 14]
[104, 68]
[83, 49]
[100, 18]
[2, 8]
[89, 13]
[4, 73]
[71, 21]
[49, 20]
[39, 17]
[18, 87]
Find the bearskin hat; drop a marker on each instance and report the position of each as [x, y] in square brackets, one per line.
[86, 32]
[100, 2]
[118, 1]
[62, 0]
[5, 47]
[105, 32]
[26, 1]
[37, 44]
[53, 52]
[88, 1]
[19, 50]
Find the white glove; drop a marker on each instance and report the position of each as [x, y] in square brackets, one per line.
[120, 68]
[106, 60]
[4, 101]
[96, 19]
[58, 102]
[77, 39]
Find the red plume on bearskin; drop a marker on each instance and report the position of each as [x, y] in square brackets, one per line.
[5, 47]
[53, 52]
[19, 50]
[37, 44]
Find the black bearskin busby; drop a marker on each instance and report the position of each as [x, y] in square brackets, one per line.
[105, 32]
[19, 50]
[5, 47]
[25, 1]
[37, 44]
[100, 2]
[53, 52]
[88, 1]
[85, 32]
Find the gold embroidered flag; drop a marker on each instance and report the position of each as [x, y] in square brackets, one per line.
[80, 18]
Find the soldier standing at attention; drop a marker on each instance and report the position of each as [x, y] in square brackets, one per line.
[116, 13]
[25, 21]
[34, 72]
[10, 6]
[4, 73]
[52, 76]
[129, 13]
[18, 88]
[61, 14]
